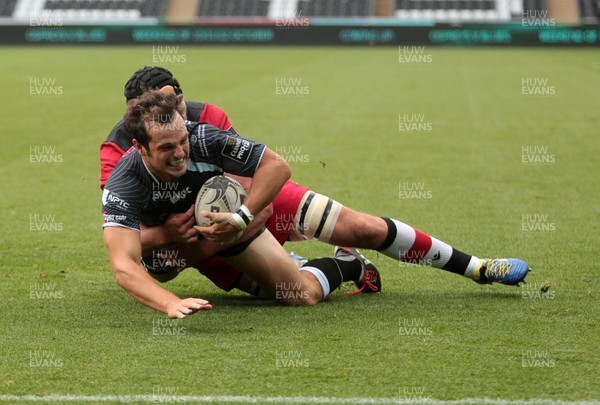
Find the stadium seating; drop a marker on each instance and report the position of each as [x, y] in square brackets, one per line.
[534, 5]
[336, 8]
[286, 8]
[412, 11]
[145, 8]
[92, 10]
[233, 8]
[7, 8]
[453, 10]
[589, 11]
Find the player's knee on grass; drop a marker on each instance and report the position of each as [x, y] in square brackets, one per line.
[305, 294]
[284, 295]
[265, 262]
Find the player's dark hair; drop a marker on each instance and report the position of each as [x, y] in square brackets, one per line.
[150, 78]
[152, 107]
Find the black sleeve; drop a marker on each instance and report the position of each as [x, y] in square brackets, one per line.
[124, 195]
[233, 153]
[119, 212]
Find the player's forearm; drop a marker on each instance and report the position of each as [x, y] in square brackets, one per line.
[269, 178]
[142, 287]
[259, 221]
[204, 249]
[261, 217]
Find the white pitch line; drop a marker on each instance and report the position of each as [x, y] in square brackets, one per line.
[284, 400]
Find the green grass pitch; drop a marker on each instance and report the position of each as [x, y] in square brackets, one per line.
[493, 150]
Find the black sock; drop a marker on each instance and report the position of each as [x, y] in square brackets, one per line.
[334, 270]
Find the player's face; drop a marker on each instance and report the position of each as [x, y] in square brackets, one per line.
[168, 150]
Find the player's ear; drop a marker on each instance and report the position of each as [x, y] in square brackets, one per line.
[168, 89]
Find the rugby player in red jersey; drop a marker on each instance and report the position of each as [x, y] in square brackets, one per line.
[298, 214]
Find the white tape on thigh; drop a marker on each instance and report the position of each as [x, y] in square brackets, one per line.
[316, 216]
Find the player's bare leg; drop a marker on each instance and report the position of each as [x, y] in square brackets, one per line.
[358, 230]
[268, 264]
[322, 218]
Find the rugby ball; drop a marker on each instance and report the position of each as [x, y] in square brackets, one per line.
[218, 194]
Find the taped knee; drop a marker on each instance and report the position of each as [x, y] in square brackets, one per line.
[317, 216]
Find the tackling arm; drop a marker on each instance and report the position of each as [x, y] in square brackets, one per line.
[270, 176]
[268, 179]
[179, 229]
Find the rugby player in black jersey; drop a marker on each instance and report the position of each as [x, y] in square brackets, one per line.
[305, 215]
[167, 152]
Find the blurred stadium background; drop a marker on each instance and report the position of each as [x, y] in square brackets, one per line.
[456, 11]
[518, 22]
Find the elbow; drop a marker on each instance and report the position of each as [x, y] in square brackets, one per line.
[288, 174]
[275, 167]
[121, 277]
[285, 170]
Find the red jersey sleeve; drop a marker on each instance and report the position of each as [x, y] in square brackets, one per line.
[216, 117]
[110, 153]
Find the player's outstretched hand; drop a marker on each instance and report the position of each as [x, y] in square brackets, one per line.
[179, 228]
[222, 230]
[180, 309]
